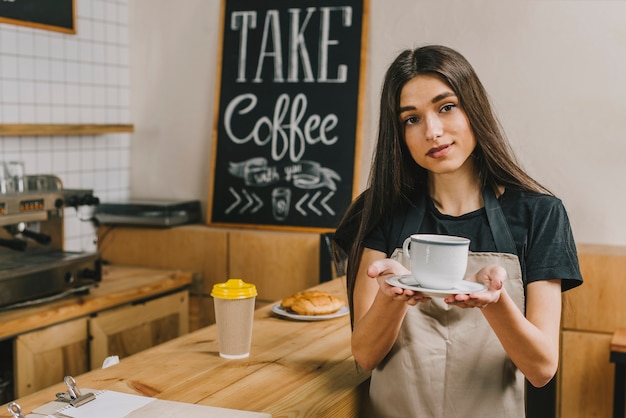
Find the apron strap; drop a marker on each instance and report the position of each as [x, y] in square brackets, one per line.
[497, 222]
[412, 221]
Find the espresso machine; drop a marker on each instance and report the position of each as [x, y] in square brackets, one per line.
[34, 268]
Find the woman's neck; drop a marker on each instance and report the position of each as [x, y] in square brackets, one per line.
[455, 195]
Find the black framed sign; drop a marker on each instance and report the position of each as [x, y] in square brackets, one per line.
[57, 15]
[288, 113]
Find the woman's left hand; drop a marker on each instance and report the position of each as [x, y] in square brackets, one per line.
[493, 277]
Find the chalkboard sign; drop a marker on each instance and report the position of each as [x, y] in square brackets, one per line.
[57, 15]
[288, 122]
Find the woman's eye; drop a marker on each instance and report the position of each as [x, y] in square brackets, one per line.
[448, 107]
[411, 120]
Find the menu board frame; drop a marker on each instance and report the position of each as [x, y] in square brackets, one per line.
[288, 115]
[54, 15]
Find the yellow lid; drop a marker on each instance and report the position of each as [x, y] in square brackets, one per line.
[233, 289]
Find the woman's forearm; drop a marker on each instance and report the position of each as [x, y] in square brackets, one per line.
[375, 332]
[531, 341]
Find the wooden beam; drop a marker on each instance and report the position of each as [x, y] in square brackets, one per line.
[62, 129]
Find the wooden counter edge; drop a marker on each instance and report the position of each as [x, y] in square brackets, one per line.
[618, 342]
[98, 299]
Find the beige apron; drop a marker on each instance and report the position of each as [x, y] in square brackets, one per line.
[447, 362]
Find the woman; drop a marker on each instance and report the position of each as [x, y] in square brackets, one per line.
[442, 165]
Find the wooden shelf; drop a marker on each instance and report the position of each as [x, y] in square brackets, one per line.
[62, 129]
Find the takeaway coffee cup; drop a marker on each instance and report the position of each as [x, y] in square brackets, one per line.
[234, 313]
[437, 261]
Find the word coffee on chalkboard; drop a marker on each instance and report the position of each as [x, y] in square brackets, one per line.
[57, 15]
[287, 128]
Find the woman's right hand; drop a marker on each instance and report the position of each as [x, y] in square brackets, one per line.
[382, 269]
[379, 308]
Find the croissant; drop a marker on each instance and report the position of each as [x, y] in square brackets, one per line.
[312, 302]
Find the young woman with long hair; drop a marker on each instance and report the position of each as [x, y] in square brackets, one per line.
[442, 165]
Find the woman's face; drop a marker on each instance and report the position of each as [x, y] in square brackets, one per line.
[436, 128]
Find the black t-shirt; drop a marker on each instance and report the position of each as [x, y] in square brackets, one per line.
[538, 222]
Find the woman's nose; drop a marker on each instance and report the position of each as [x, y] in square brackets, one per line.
[434, 127]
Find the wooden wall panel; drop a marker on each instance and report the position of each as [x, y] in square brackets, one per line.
[586, 376]
[196, 248]
[597, 305]
[591, 313]
[278, 263]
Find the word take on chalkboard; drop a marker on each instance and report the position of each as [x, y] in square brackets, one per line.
[289, 111]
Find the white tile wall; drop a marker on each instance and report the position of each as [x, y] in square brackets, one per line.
[83, 78]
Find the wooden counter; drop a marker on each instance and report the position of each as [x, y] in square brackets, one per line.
[591, 314]
[119, 285]
[296, 369]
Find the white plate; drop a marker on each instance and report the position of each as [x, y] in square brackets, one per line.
[278, 310]
[408, 282]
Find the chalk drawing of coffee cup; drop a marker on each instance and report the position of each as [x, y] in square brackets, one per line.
[281, 199]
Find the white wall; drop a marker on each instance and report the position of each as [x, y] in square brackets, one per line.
[84, 78]
[173, 52]
[556, 73]
[555, 70]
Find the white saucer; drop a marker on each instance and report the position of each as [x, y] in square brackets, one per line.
[279, 310]
[408, 282]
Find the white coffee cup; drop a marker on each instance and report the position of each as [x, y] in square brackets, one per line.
[437, 261]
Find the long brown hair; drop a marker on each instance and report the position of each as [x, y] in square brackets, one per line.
[395, 177]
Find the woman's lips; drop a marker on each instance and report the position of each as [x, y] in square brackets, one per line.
[439, 152]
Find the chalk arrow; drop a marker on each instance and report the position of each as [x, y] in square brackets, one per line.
[299, 204]
[312, 202]
[259, 203]
[247, 205]
[324, 200]
[237, 200]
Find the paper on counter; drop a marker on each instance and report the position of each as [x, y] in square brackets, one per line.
[108, 404]
[111, 404]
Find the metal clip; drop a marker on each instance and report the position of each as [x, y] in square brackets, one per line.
[15, 410]
[63, 397]
[73, 395]
[72, 389]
